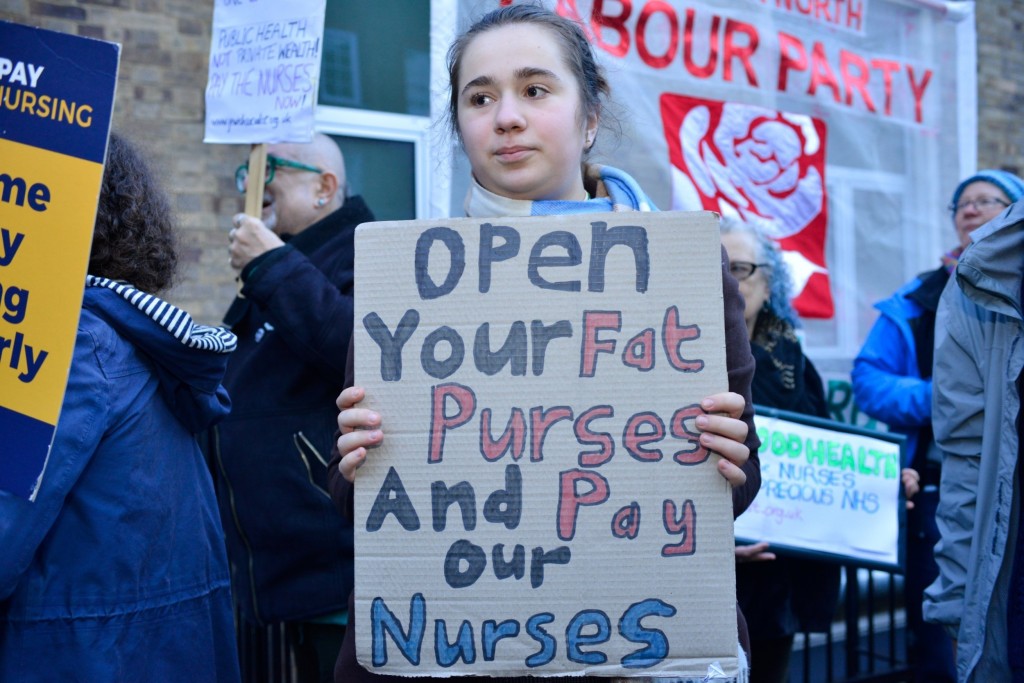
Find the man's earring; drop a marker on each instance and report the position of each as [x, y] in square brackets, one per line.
[321, 202]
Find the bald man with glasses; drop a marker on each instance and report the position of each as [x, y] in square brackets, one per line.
[291, 552]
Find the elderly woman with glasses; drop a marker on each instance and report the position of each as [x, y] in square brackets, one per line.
[892, 382]
[784, 595]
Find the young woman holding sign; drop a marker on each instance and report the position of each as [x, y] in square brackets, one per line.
[526, 102]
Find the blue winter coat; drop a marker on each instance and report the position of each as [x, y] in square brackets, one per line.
[887, 383]
[117, 572]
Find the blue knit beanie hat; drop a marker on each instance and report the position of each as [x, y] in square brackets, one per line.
[1004, 180]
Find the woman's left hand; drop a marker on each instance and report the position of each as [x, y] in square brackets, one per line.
[724, 433]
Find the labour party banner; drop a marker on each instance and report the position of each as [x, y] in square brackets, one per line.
[840, 126]
[56, 99]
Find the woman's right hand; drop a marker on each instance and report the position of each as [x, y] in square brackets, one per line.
[360, 430]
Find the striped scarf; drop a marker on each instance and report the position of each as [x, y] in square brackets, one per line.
[608, 189]
[171, 318]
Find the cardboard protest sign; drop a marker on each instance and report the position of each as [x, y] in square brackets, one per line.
[541, 504]
[827, 488]
[264, 70]
[56, 99]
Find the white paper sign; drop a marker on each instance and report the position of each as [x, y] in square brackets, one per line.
[264, 70]
[540, 505]
[827, 491]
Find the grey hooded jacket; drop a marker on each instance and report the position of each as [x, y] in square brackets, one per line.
[979, 353]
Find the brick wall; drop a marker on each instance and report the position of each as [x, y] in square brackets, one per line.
[1000, 84]
[160, 104]
[165, 48]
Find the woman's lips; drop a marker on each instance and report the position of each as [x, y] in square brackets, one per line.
[512, 154]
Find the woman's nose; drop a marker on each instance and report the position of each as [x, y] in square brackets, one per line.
[508, 115]
[971, 212]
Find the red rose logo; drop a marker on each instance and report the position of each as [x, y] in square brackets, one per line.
[761, 166]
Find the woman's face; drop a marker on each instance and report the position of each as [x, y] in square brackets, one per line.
[755, 289]
[972, 216]
[519, 115]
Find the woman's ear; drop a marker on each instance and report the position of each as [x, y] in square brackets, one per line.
[590, 133]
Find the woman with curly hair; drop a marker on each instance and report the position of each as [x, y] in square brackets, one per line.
[118, 571]
[778, 595]
[134, 239]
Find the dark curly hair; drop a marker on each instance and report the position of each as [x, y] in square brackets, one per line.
[134, 240]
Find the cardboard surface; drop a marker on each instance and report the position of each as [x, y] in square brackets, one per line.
[585, 546]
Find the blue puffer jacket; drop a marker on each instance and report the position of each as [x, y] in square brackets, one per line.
[117, 572]
[887, 383]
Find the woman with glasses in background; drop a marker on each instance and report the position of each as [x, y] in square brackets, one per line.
[892, 382]
[778, 596]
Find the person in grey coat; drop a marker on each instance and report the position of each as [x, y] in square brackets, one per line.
[979, 354]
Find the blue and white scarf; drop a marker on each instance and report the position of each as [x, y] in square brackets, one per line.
[608, 189]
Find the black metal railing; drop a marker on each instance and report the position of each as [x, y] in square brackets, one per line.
[867, 643]
[264, 654]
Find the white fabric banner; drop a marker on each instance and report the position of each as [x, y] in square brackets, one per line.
[837, 123]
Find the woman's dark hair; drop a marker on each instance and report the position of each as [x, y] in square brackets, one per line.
[134, 239]
[579, 56]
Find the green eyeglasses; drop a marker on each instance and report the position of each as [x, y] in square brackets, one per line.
[273, 162]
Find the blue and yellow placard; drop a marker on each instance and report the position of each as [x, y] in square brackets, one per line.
[56, 99]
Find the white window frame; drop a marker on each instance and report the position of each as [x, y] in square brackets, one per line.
[376, 125]
[432, 158]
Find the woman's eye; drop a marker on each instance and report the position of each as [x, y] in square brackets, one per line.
[479, 100]
[534, 91]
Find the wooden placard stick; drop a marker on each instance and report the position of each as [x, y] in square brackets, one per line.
[254, 188]
[257, 179]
